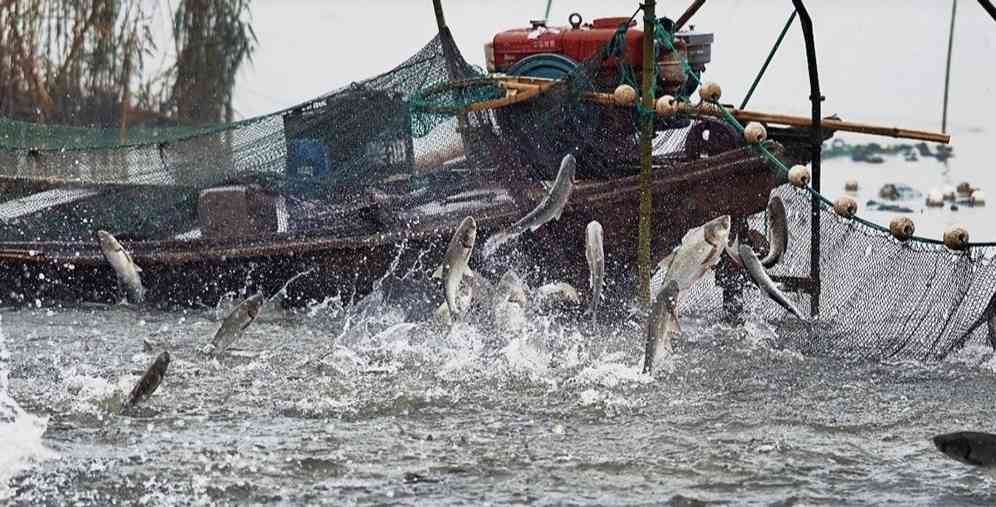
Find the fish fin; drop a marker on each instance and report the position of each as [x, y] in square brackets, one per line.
[470, 273]
[438, 273]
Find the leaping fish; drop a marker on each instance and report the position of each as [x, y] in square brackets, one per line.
[764, 282]
[595, 253]
[549, 208]
[455, 266]
[235, 324]
[129, 281]
[699, 251]
[777, 232]
[663, 323]
[150, 381]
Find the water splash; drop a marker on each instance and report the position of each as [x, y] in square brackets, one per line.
[20, 432]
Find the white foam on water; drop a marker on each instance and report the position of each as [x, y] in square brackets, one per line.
[20, 432]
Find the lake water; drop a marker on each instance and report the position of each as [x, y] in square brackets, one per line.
[407, 413]
[361, 403]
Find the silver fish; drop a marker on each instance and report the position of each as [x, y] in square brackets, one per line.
[764, 282]
[969, 447]
[699, 251]
[777, 232]
[663, 323]
[129, 280]
[595, 253]
[150, 381]
[455, 266]
[549, 208]
[233, 325]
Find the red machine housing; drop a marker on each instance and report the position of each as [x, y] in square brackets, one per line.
[581, 41]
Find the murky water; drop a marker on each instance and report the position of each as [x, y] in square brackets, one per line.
[344, 404]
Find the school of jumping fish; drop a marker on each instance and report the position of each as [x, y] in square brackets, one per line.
[700, 250]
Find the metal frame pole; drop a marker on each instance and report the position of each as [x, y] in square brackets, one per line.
[817, 144]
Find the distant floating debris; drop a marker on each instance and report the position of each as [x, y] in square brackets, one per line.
[935, 198]
[874, 153]
[898, 192]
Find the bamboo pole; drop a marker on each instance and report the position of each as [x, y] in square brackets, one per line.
[535, 85]
[692, 9]
[798, 121]
[646, 154]
[947, 69]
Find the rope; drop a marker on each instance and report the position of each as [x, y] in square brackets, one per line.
[768, 60]
[773, 162]
[546, 16]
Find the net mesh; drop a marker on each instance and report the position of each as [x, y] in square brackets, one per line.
[399, 148]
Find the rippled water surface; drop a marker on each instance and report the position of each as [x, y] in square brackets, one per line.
[336, 404]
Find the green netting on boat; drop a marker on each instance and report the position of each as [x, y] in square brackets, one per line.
[401, 150]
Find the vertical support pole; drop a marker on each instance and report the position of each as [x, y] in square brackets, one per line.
[446, 39]
[817, 143]
[947, 69]
[646, 153]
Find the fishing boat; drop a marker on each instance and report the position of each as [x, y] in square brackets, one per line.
[375, 177]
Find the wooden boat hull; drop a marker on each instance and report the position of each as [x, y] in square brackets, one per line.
[199, 272]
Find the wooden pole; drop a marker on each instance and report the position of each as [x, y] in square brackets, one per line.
[446, 39]
[947, 70]
[689, 12]
[646, 153]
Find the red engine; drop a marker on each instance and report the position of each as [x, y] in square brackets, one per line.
[553, 52]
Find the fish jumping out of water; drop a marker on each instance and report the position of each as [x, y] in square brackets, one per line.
[663, 323]
[777, 232]
[764, 282]
[595, 253]
[235, 324]
[549, 208]
[150, 381]
[699, 251]
[455, 266]
[969, 447]
[129, 281]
